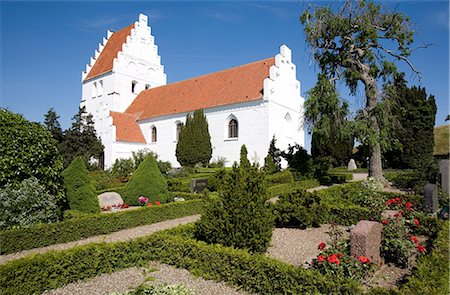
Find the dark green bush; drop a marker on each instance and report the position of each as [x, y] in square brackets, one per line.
[239, 218]
[432, 271]
[253, 273]
[308, 183]
[15, 240]
[299, 208]
[284, 176]
[80, 191]
[216, 180]
[146, 181]
[404, 179]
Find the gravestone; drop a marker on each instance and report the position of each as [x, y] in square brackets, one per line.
[109, 199]
[198, 185]
[444, 166]
[365, 240]
[351, 165]
[430, 200]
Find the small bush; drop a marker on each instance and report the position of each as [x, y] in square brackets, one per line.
[219, 163]
[80, 191]
[26, 204]
[123, 168]
[216, 181]
[146, 181]
[280, 177]
[299, 209]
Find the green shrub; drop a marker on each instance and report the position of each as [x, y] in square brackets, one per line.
[42, 235]
[299, 208]
[80, 191]
[239, 218]
[253, 273]
[345, 214]
[184, 195]
[26, 204]
[163, 289]
[216, 181]
[432, 271]
[219, 163]
[123, 168]
[269, 165]
[308, 183]
[28, 150]
[284, 176]
[146, 181]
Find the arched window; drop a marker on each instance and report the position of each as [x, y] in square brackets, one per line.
[178, 130]
[147, 86]
[133, 86]
[287, 117]
[233, 128]
[94, 90]
[100, 88]
[154, 134]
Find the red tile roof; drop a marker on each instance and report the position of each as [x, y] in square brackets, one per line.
[127, 129]
[104, 62]
[236, 85]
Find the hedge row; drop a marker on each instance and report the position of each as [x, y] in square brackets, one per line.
[279, 189]
[284, 176]
[42, 235]
[254, 273]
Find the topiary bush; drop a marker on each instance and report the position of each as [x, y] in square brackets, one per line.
[146, 181]
[240, 217]
[299, 208]
[80, 190]
[216, 181]
[27, 204]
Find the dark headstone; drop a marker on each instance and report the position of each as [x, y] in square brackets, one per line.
[430, 200]
[198, 185]
[365, 240]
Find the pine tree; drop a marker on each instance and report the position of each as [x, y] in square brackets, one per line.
[269, 166]
[194, 142]
[240, 218]
[275, 154]
[244, 162]
[52, 124]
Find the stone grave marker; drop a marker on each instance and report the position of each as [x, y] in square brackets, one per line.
[109, 199]
[365, 240]
[198, 185]
[351, 165]
[430, 200]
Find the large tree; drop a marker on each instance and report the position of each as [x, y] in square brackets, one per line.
[194, 142]
[52, 124]
[81, 139]
[359, 44]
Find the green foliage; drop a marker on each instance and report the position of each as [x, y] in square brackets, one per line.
[253, 273]
[396, 244]
[80, 191]
[239, 218]
[269, 166]
[432, 271]
[74, 229]
[146, 181]
[283, 188]
[26, 204]
[243, 161]
[123, 168]
[219, 163]
[52, 124]
[415, 114]
[81, 139]
[284, 176]
[163, 289]
[216, 181]
[194, 142]
[299, 208]
[298, 159]
[275, 154]
[28, 150]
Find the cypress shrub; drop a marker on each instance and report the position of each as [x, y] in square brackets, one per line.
[80, 190]
[146, 181]
[239, 218]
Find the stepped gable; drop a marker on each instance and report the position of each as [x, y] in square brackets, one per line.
[127, 129]
[104, 63]
[236, 85]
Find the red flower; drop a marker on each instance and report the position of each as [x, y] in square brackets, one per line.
[322, 246]
[408, 205]
[384, 221]
[339, 255]
[333, 259]
[363, 259]
[416, 222]
[421, 248]
[414, 239]
[149, 204]
[320, 258]
[157, 203]
[401, 212]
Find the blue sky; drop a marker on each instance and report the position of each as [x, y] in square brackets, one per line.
[46, 45]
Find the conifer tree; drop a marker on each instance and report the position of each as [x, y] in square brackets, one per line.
[275, 154]
[53, 125]
[244, 162]
[194, 142]
[269, 166]
[240, 218]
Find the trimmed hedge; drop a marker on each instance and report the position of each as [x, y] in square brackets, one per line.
[308, 183]
[279, 189]
[254, 273]
[280, 177]
[42, 235]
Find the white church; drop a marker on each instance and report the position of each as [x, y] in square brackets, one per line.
[125, 89]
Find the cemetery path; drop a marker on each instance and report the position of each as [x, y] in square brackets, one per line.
[118, 236]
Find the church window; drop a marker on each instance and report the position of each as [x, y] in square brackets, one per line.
[147, 86]
[94, 89]
[178, 130]
[154, 134]
[233, 128]
[133, 86]
[287, 117]
[100, 88]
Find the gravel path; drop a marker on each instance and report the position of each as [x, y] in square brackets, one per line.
[131, 278]
[297, 246]
[122, 235]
